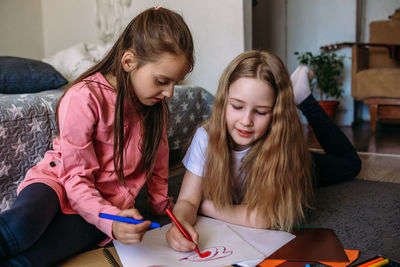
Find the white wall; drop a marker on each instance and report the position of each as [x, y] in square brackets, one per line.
[314, 23]
[40, 28]
[21, 31]
[68, 22]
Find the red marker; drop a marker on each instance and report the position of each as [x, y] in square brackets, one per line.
[183, 231]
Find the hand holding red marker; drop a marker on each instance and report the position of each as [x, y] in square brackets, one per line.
[183, 231]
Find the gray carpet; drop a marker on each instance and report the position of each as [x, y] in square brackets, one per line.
[365, 216]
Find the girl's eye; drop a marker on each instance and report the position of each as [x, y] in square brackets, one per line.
[236, 107]
[261, 113]
[162, 82]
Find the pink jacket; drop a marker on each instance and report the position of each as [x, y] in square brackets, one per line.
[82, 158]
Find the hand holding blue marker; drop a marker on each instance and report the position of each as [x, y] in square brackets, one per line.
[126, 219]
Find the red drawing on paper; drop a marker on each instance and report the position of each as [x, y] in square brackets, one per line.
[215, 254]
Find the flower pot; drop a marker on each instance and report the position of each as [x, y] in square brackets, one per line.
[330, 107]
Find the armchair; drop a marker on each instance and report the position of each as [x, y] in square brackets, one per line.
[375, 76]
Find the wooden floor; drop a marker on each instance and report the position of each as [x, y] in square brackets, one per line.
[386, 139]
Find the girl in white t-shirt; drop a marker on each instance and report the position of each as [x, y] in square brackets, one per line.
[249, 163]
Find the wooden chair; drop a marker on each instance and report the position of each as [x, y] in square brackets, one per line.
[375, 76]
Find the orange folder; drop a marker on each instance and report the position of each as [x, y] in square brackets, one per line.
[311, 245]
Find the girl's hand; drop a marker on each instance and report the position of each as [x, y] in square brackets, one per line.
[128, 233]
[178, 241]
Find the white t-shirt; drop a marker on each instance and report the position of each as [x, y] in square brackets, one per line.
[195, 158]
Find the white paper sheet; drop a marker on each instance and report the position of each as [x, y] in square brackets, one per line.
[265, 241]
[227, 243]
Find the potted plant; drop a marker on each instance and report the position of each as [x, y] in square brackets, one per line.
[328, 69]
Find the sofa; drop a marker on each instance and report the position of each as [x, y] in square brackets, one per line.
[27, 128]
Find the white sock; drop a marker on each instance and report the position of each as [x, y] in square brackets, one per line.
[301, 83]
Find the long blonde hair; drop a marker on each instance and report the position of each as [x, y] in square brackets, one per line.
[278, 165]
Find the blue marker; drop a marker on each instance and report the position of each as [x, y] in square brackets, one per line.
[308, 265]
[126, 219]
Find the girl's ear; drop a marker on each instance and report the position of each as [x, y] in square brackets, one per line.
[128, 61]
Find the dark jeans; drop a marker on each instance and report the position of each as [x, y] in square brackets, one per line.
[341, 162]
[34, 231]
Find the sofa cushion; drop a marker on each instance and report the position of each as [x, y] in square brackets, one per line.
[23, 75]
[383, 82]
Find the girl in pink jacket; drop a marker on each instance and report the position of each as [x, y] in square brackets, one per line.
[112, 140]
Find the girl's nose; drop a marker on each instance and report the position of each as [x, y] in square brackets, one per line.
[168, 92]
[246, 119]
